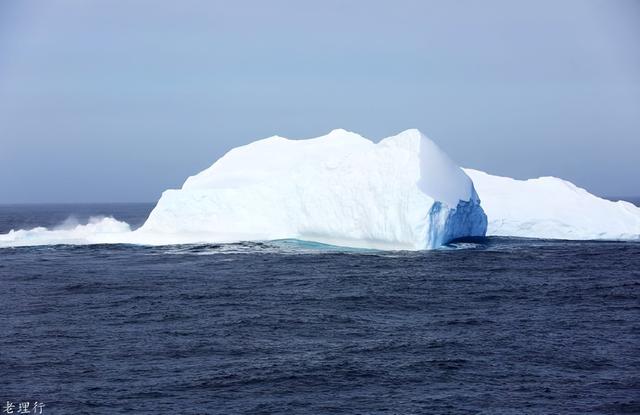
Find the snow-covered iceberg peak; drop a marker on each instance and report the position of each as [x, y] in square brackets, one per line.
[340, 188]
[549, 207]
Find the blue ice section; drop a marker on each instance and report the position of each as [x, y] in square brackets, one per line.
[465, 220]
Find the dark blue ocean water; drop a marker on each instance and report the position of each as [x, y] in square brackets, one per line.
[496, 326]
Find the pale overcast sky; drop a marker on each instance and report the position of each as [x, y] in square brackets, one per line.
[119, 100]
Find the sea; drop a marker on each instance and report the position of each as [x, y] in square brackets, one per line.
[484, 326]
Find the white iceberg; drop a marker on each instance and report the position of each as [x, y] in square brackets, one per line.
[552, 208]
[340, 189]
[402, 193]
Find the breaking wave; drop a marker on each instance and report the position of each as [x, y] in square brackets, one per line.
[98, 230]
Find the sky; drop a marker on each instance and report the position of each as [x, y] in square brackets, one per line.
[116, 101]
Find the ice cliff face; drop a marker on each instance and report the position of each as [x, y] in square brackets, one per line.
[552, 208]
[341, 189]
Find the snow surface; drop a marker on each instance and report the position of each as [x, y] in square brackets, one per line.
[340, 189]
[552, 208]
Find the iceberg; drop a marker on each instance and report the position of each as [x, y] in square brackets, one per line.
[552, 208]
[403, 193]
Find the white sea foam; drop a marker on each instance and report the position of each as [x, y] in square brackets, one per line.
[99, 229]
